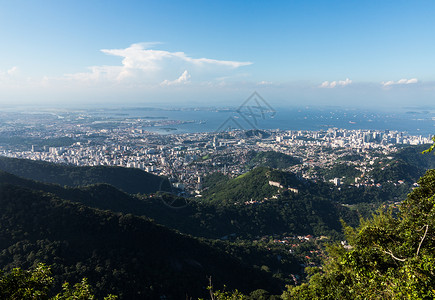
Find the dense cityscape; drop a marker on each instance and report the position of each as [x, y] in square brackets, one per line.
[186, 158]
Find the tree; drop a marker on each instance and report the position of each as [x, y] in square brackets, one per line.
[431, 148]
[36, 284]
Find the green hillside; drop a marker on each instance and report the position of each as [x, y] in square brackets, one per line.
[120, 253]
[407, 164]
[211, 220]
[129, 180]
[387, 256]
[341, 170]
[392, 171]
[253, 185]
[272, 159]
[412, 155]
[258, 208]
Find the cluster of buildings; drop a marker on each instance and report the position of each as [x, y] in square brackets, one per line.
[186, 158]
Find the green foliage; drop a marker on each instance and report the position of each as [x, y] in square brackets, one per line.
[80, 291]
[252, 185]
[370, 195]
[272, 159]
[37, 283]
[392, 171]
[237, 295]
[388, 257]
[431, 148]
[211, 180]
[229, 295]
[412, 156]
[20, 284]
[263, 254]
[82, 242]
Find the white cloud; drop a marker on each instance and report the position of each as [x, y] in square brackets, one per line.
[183, 79]
[399, 82]
[141, 65]
[9, 73]
[12, 70]
[333, 84]
[264, 83]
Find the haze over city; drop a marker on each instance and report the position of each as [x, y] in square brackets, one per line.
[372, 54]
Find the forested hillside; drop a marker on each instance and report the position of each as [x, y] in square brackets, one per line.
[121, 254]
[129, 180]
[272, 159]
[291, 214]
[387, 257]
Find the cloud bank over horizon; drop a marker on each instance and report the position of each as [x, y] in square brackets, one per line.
[333, 84]
[403, 81]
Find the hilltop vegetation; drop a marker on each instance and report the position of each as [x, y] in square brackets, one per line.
[37, 282]
[387, 258]
[259, 208]
[407, 165]
[128, 180]
[412, 156]
[121, 254]
[272, 159]
[253, 185]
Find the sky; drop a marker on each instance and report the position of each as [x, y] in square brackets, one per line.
[191, 53]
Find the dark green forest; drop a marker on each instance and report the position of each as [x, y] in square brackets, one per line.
[122, 254]
[128, 180]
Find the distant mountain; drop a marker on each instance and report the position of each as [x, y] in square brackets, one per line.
[129, 180]
[120, 253]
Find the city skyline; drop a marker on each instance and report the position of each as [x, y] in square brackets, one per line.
[321, 53]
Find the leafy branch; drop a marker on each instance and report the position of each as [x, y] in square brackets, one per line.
[431, 148]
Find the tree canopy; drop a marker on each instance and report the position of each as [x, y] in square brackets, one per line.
[37, 283]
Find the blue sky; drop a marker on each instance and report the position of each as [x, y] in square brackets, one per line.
[352, 53]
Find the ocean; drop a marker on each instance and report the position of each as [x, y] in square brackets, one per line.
[414, 122]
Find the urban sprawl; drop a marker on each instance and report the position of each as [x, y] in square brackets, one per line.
[186, 158]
